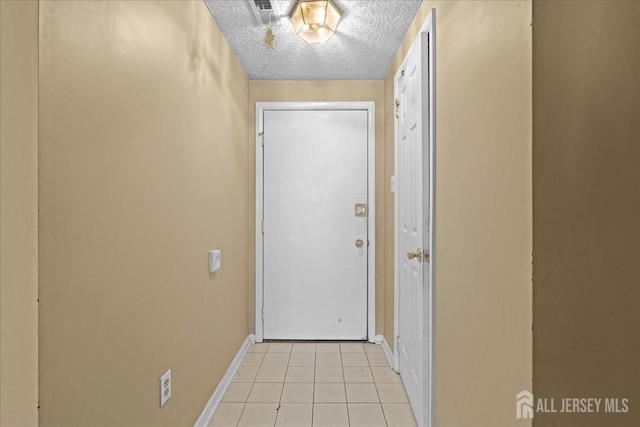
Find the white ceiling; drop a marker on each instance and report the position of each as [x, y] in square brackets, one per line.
[363, 47]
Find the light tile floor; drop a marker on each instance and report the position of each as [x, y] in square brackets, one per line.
[315, 384]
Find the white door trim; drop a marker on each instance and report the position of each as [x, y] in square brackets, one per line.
[261, 107]
[428, 27]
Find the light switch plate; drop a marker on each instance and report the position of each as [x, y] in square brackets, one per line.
[215, 260]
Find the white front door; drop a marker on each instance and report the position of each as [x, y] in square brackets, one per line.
[315, 247]
[413, 220]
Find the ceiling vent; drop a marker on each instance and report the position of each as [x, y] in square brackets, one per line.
[264, 12]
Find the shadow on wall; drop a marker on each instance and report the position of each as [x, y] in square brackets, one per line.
[201, 60]
[206, 60]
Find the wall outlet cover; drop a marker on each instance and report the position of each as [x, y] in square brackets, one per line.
[165, 387]
[215, 260]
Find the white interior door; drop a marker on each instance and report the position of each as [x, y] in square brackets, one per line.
[413, 200]
[314, 268]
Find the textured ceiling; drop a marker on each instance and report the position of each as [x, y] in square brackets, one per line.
[363, 47]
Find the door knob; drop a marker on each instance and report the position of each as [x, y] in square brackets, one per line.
[359, 243]
[415, 254]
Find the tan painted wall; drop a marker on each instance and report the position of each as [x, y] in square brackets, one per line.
[338, 91]
[19, 213]
[144, 154]
[586, 205]
[483, 209]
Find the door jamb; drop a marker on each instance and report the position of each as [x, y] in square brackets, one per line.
[261, 107]
[429, 27]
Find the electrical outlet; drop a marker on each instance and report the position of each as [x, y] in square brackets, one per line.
[165, 387]
[215, 260]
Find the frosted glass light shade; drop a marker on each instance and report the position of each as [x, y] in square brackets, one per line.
[315, 20]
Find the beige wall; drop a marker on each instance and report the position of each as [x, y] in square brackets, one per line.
[586, 205]
[19, 213]
[483, 184]
[144, 154]
[337, 91]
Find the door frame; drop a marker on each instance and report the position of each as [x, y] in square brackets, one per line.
[428, 27]
[369, 107]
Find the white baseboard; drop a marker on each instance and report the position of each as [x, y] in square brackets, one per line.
[380, 339]
[216, 397]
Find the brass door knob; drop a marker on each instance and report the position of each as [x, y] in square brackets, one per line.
[415, 254]
[359, 243]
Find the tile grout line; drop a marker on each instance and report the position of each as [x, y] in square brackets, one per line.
[375, 384]
[286, 371]
[344, 385]
[244, 406]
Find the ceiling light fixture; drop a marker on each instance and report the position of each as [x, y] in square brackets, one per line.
[315, 20]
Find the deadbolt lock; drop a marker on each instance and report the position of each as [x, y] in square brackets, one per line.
[359, 243]
[361, 209]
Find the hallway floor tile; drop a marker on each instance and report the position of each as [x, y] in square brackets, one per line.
[305, 384]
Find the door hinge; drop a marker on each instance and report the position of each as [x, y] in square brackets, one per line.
[393, 183]
[262, 226]
[263, 313]
[398, 342]
[396, 108]
[425, 255]
[261, 136]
